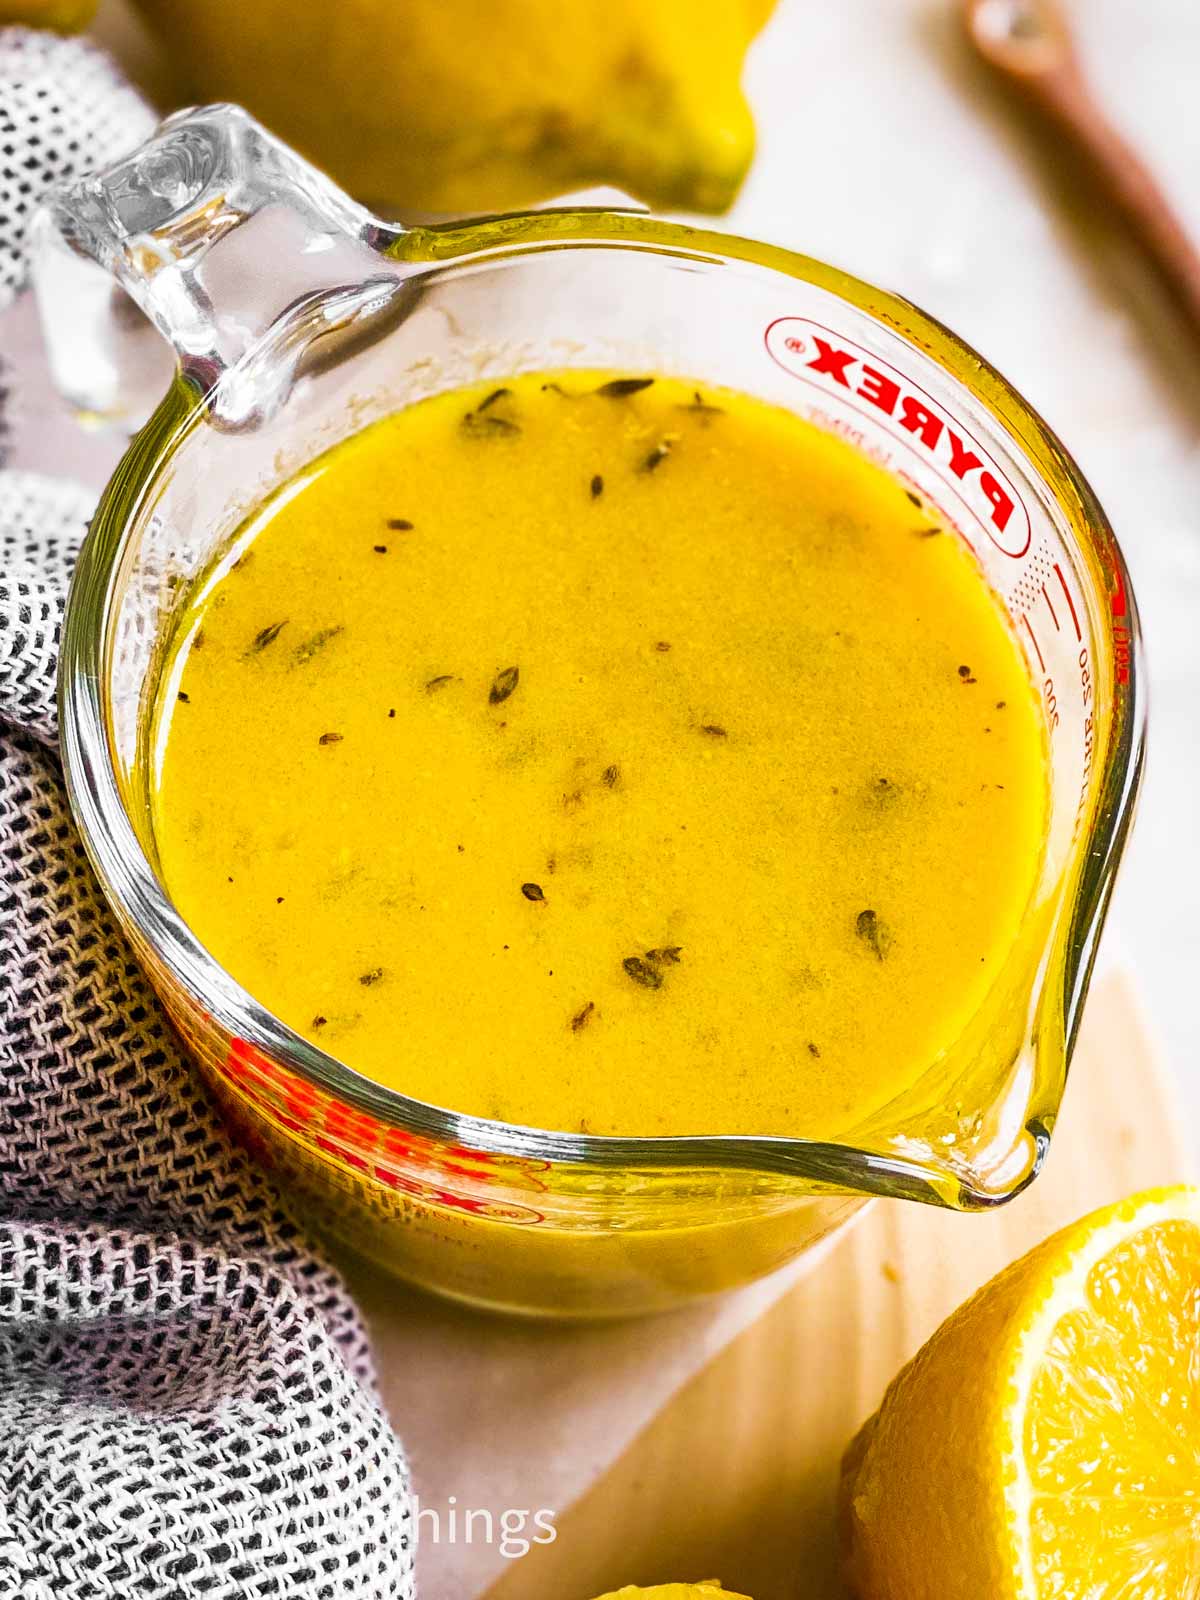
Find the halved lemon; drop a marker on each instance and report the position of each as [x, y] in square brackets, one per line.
[711, 1590]
[1045, 1443]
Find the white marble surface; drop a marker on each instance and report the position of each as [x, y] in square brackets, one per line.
[886, 150]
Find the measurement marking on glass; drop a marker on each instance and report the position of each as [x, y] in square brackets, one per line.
[1118, 601]
[1070, 602]
[1050, 608]
[1033, 641]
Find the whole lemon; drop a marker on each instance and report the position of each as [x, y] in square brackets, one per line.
[65, 16]
[459, 105]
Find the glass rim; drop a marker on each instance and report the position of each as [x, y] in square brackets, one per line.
[130, 881]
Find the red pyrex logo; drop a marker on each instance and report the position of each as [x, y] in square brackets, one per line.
[877, 391]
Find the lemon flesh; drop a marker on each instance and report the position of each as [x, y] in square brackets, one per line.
[674, 1591]
[1045, 1443]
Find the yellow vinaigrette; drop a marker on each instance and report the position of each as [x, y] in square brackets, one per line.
[599, 753]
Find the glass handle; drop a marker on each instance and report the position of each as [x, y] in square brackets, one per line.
[240, 254]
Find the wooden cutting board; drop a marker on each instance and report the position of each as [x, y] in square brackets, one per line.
[736, 1477]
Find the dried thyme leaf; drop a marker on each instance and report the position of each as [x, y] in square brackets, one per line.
[620, 388]
[198, 639]
[610, 775]
[966, 675]
[914, 498]
[319, 1021]
[883, 793]
[812, 1049]
[318, 641]
[440, 682]
[665, 955]
[663, 646]
[642, 972]
[714, 730]
[400, 524]
[368, 978]
[265, 636]
[657, 456]
[486, 404]
[185, 698]
[481, 427]
[532, 891]
[503, 685]
[579, 1020]
[874, 933]
[927, 533]
[597, 486]
[481, 422]
[701, 407]
[331, 738]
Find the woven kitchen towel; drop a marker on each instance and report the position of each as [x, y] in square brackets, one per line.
[186, 1402]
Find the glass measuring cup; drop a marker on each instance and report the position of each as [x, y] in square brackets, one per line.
[298, 318]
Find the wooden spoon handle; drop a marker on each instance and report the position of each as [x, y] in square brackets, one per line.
[1036, 54]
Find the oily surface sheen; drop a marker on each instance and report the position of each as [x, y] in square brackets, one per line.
[610, 757]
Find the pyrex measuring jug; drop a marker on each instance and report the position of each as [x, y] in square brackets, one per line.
[298, 319]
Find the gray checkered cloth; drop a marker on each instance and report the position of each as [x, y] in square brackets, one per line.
[186, 1402]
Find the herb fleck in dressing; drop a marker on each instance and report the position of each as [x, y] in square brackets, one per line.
[645, 784]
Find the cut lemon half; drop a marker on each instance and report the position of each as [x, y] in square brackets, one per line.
[1045, 1443]
[710, 1590]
